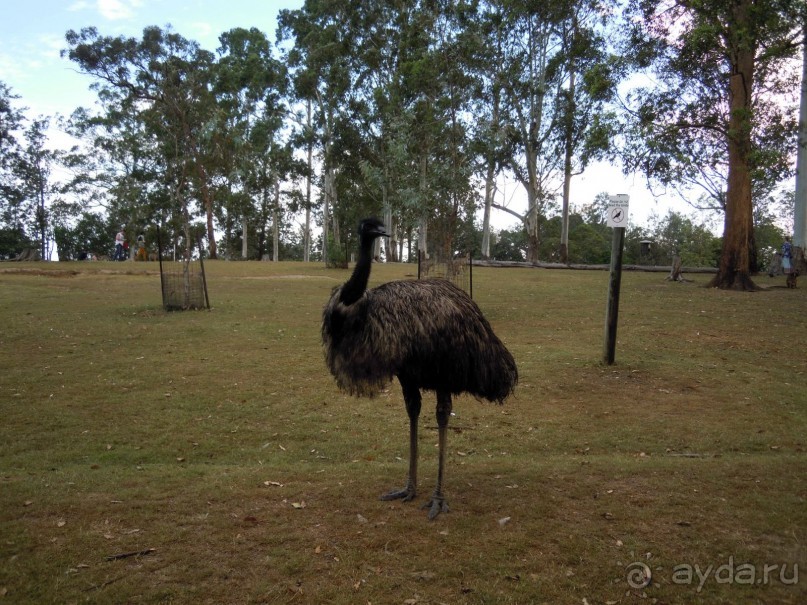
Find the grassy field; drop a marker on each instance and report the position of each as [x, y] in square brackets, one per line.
[216, 444]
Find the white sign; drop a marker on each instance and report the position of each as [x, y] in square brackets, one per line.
[617, 213]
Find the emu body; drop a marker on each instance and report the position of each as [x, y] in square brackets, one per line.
[429, 334]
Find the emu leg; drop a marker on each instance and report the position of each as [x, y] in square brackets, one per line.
[438, 503]
[412, 399]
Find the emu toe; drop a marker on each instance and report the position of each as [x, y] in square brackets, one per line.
[406, 494]
[436, 506]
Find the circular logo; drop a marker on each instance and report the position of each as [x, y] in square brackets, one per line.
[639, 575]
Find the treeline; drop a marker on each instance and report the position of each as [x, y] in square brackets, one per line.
[653, 244]
[413, 111]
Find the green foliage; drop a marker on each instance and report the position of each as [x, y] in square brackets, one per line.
[13, 241]
[509, 245]
[675, 234]
[338, 254]
[91, 235]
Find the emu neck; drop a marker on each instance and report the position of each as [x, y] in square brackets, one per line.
[357, 284]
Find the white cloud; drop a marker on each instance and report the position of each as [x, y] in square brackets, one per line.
[202, 31]
[115, 10]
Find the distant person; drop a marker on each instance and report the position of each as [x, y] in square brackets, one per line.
[120, 240]
[141, 247]
[787, 256]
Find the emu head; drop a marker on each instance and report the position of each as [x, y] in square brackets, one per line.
[372, 228]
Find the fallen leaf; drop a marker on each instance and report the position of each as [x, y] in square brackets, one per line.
[504, 521]
[298, 505]
[360, 518]
[61, 523]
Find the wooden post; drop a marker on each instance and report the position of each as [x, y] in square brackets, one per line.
[612, 310]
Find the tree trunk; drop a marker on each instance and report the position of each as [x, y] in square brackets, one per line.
[568, 136]
[800, 213]
[307, 232]
[567, 168]
[676, 270]
[533, 234]
[423, 221]
[244, 242]
[276, 223]
[391, 243]
[326, 198]
[207, 202]
[422, 238]
[734, 271]
[489, 189]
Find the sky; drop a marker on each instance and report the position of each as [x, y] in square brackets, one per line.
[32, 36]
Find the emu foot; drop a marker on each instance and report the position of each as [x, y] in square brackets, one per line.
[406, 494]
[436, 506]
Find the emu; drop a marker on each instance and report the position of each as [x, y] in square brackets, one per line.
[427, 333]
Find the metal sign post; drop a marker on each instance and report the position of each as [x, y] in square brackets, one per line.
[617, 217]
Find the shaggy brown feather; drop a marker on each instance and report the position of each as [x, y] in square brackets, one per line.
[428, 331]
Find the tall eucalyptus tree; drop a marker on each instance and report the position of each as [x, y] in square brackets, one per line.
[251, 87]
[714, 115]
[168, 80]
[555, 78]
[321, 62]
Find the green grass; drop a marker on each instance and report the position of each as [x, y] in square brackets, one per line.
[220, 440]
